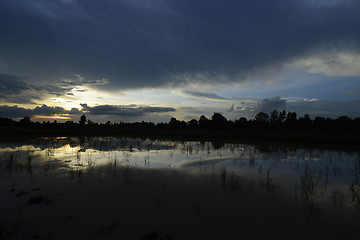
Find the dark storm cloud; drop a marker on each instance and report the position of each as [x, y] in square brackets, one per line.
[126, 111]
[65, 85]
[17, 89]
[138, 44]
[16, 112]
[269, 104]
[10, 84]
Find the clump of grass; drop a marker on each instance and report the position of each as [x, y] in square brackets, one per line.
[126, 173]
[356, 169]
[77, 174]
[78, 159]
[200, 212]
[355, 195]
[112, 167]
[90, 169]
[305, 190]
[8, 230]
[252, 160]
[270, 185]
[234, 182]
[260, 170]
[147, 161]
[337, 198]
[10, 163]
[223, 177]
[46, 169]
[29, 159]
[126, 157]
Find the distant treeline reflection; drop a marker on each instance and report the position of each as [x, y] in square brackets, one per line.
[276, 126]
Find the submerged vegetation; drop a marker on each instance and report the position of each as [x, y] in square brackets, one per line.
[283, 126]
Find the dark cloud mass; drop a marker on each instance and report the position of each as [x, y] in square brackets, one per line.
[115, 110]
[17, 89]
[126, 111]
[137, 44]
[17, 112]
[10, 85]
[269, 104]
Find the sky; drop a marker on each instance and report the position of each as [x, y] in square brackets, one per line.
[134, 60]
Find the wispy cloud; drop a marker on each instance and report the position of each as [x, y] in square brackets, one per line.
[202, 95]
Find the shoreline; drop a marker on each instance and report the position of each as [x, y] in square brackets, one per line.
[346, 140]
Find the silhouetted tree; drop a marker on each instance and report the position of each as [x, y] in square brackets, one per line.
[242, 120]
[6, 122]
[176, 124]
[241, 123]
[204, 122]
[291, 118]
[25, 121]
[319, 122]
[305, 122]
[343, 122]
[262, 117]
[89, 122]
[274, 116]
[282, 115]
[193, 124]
[82, 120]
[219, 121]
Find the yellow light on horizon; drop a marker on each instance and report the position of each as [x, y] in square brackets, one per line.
[65, 116]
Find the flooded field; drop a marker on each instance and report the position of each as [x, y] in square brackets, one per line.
[125, 188]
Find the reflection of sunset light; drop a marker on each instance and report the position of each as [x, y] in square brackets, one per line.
[64, 116]
[61, 138]
[56, 138]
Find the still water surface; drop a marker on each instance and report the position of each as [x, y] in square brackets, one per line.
[330, 173]
[54, 187]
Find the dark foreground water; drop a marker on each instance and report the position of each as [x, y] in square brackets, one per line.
[125, 188]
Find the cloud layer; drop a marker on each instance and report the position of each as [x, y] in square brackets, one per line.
[269, 104]
[139, 44]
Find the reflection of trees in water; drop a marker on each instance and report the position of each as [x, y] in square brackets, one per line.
[218, 145]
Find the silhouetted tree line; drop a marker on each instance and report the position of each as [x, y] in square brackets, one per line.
[276, 122]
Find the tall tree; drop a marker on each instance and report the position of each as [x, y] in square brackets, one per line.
[82, 120]
[219, 121]
[262, 117]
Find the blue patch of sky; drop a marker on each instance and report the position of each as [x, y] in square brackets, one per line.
[302, 85]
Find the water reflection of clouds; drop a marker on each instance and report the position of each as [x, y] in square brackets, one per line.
[329, 170]
[335, 166]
